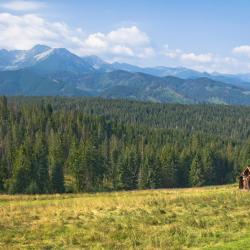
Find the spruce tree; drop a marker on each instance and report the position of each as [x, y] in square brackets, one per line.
[184, 168]
[77, 166]
[56, 164]
[169, 165]
[40, 165]
[196, 174]
[2, 177]
[130, 168]
[21, 178]
[209, 167]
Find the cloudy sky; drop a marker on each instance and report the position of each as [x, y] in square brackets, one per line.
[207, 35]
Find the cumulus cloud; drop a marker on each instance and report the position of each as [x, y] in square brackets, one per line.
[96, 41]
[243, 50]
[122, 50]
[128, 35]
[128, 44]
[32, 29]
[23, 5]
[147, 52]
[23, 32]
[126, 41]
[170, 53]
[200, 58]
[187, 57]
[208, 62]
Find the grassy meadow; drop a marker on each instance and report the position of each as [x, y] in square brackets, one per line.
[197, 218]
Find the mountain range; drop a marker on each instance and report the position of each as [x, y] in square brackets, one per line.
[56, 71]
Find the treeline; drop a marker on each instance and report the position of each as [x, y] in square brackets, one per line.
[221, 120]
[53, 145]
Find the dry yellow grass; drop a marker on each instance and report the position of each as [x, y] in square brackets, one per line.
[202, 218]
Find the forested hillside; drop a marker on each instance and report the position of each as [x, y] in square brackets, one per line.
[54, 145]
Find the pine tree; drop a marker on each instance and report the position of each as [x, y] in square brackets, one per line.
[3, 108]
[40, 165]
[77, 166]
[21, 178]
[149, 172]
[85, 162]
[130, 168]
[184, 168]
[169, 165]
[209, 167]
[2, 177]
[196, 174]
[3, 116]
[144, 174]
[112, 164]
[93, 162]
[56, 164]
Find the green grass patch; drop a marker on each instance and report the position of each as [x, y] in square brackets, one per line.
[202, 218]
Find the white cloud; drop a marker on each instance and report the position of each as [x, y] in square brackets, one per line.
[127, 44]
[97, 40]
[208, 62]
[23, 32]
[124, 41]
[147, 52]
[32, 29]
[122, 50]
[171, 53]
[243, 50]
[200, 58]
[187, 57]
[231, 61]
[128, 35]
[23, 5]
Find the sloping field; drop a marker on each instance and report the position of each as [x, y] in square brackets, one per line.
[202, 218]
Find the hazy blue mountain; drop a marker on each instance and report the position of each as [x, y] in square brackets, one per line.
[180, 72]
[140, 86]
[44, 59]
[210, 91]
[160, 71]
[240, 80]
[122, 84]
[28, 83]
[61, 60]
[8, 58]
[46, 71]
[126, 67]
[97, 63]
[16, 59]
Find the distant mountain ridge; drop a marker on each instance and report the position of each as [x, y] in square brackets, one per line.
[45, 59]
[47, 71]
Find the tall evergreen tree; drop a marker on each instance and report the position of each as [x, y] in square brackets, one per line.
[77, 164]
[196, 174]
[209, 167]
[40, 165]
[21, 179]
[184, 168]
[130, 168]
[56, 163]
[169, 165]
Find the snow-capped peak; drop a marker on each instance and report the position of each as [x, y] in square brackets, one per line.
[43, 55]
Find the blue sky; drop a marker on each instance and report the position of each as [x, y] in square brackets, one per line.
[207, 35]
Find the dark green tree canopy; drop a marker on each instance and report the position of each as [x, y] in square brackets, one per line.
[55, 145]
